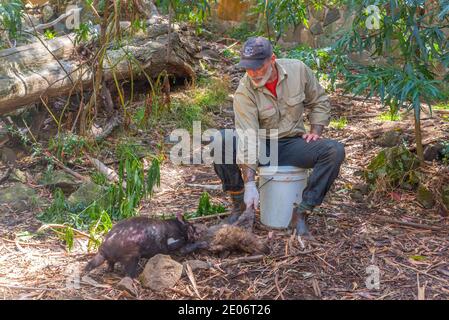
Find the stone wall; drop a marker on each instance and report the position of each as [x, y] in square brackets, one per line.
[325, 26]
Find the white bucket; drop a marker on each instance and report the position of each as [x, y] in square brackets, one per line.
[280, 187]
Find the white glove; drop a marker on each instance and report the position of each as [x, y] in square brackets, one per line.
[251, 196]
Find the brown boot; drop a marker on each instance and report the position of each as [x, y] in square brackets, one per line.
[238, 206]
[299, 221]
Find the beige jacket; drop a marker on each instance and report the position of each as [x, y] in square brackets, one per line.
[297, 89]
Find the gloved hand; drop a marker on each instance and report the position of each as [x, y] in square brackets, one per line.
[251, 196]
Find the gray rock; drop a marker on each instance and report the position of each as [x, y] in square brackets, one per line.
[59, 179]
[390, 139]
[127, 284]
[433, 151]
[161, 272]
[18, 197]
[331, 16]
[196, 265]
[316, 29]
[86, 194]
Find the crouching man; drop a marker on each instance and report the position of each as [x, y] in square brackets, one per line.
[274, 94]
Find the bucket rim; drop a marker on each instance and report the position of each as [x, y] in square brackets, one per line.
[269, 170]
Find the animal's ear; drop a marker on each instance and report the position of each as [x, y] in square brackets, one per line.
[180, 218]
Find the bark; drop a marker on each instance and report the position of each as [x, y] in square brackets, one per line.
[32, 72]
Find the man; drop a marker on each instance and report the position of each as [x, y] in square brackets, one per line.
[274, 94]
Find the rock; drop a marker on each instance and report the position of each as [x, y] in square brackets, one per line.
[390, 139]
[356, 195]
[196, 265]
[18, 175]
[47, 13]
[331, 16]
[8, 156]
[433, 152]
[18, 196]
[306, 37]
[86, 194]
[318, 14]
[425, 197]
[316, 29]
[363, 188]
[127, 284]
[59, 179]
[161, 272]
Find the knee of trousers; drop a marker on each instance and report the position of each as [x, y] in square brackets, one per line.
[336, 151]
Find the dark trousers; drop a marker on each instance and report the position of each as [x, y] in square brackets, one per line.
[325, 156]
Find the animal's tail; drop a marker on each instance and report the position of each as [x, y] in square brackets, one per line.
[95, 262]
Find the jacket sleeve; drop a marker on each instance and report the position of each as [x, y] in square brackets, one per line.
[247, 125]
[316, 99]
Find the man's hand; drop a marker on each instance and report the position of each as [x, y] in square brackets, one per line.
[251, 196]
[315, 133]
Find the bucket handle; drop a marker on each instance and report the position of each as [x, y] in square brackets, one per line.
[266, 182]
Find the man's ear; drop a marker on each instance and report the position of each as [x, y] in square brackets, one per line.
[273, 57]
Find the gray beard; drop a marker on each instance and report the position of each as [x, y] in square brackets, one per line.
[264, 80]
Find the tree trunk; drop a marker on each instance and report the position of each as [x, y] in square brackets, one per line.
[418, 137]
[26, 79]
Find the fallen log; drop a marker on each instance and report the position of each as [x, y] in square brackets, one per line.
[26, 79]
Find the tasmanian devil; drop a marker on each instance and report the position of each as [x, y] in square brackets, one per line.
[143, 237]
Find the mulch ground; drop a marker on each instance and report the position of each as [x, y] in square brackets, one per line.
[353, 236]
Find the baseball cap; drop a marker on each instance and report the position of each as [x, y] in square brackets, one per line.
[254, 52]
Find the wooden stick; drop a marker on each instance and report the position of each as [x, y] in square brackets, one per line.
[61, 226]
[409, 224]
[68, 170]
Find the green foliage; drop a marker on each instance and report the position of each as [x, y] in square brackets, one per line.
[318, 59]
[205, 207]
[243, 31]
[83, 32]
[445, 153]
[339, 123]
[410, 41]
[186, 10]
[119, 201]
[11, 12]
[66, 145]
[99, 178]
[389, 116]
[391, 168]
[282, 14]
[49, 34]
[194, 104]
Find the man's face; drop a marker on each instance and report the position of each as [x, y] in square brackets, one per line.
[261, 75]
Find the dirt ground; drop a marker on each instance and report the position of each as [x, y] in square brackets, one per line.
[352, 238]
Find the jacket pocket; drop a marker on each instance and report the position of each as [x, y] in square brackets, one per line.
[268, 118]
[295, 100]
[294, 107]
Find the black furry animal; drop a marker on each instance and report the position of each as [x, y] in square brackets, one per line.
[143, 237]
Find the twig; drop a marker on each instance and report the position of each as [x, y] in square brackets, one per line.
[192, 279]
[61, 226]
[68, 170]
[210, 216]
[409, 224]
[27, 288]
[417, 270]
[276, 282]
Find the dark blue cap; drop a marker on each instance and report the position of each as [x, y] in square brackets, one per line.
[254, 53]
